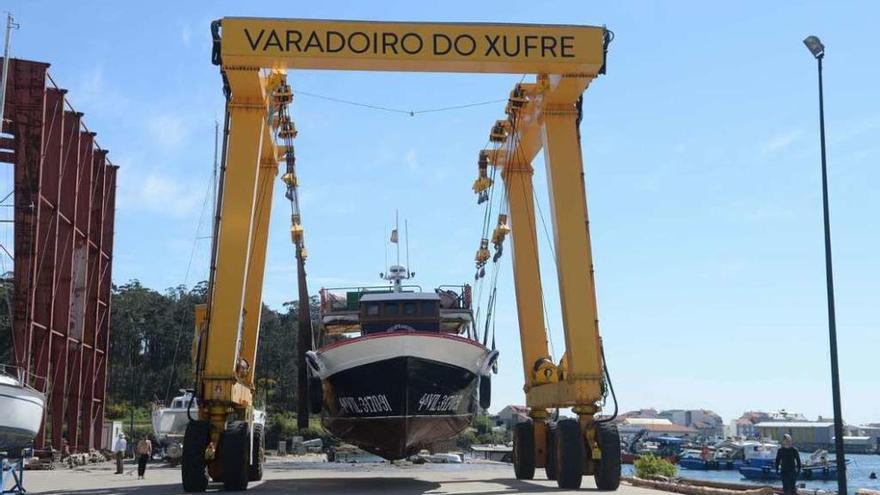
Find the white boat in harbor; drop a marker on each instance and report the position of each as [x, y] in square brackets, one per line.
[21, 411]
[169, 424]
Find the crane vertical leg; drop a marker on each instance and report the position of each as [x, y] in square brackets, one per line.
[529, 298]
[565, 178]
[221, 388]
[253, 303]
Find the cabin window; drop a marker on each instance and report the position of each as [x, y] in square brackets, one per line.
[410, 308]
[373, 309]
[392, 309]
[429, 308]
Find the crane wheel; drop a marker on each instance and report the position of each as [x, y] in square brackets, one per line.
[316, 395]
[235, 456]
[550, 463]
[485, 391]
[524, 450]
[607, 473]
[192, 461]
[569, 454]
[258, 455]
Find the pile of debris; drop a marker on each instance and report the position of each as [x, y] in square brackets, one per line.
[92, 457]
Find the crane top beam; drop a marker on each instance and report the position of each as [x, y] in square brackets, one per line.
[411, 46]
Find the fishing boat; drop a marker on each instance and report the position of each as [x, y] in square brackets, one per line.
[400, 368]
[730, 455]
[665, 447]
[21, 411]
[817, 468]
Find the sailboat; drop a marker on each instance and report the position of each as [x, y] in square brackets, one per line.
[21, 411]
[402, 368]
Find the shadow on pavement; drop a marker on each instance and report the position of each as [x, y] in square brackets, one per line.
[126, 490]
[330, 486]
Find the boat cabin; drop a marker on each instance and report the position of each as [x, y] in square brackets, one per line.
[367, 310]
[399, 311]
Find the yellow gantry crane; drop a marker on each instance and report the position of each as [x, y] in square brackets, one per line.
[223, 439]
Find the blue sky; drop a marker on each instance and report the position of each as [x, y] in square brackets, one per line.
[701, 154]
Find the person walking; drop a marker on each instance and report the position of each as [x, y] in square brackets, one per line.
[788, 460]
[144, 451]
[119, 450]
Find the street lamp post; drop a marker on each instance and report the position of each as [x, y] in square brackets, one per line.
[818, 50]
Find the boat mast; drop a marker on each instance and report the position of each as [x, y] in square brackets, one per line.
[10, 25]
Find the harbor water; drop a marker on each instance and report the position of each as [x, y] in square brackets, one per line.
[858, 475]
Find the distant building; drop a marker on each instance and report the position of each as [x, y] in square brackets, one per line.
[745, 425]
[707, 423]
[656, 427]
[805, 435]
[511, 415]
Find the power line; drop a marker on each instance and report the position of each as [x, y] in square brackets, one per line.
[411, 113]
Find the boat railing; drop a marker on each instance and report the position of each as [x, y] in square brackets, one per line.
[460, 293]
[337, 299]
[17, 372]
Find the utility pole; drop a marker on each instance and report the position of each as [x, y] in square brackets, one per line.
[818, 50]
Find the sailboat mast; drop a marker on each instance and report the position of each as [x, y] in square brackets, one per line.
[10, 25]
[406, 234]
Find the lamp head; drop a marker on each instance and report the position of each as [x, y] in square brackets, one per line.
[815, 46]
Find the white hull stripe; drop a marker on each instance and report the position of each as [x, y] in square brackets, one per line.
[358, 352]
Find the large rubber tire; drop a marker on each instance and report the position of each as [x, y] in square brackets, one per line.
[569, 454]
[485, 391]
[550, 452]
[235, 456]
[258, 455]
[316, 395]
[524, 450]
[192, 461]
[607, 473]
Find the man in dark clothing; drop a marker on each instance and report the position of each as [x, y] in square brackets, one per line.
[789, 460]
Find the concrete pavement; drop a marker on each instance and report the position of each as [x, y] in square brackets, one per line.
[284, 475]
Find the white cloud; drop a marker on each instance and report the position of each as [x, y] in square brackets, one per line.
[186, 35]
[169, 131]
[781, 141]
[157, 193]
[411, 159]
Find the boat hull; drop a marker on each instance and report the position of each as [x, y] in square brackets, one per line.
[808, 473]
[710, 465]
[21, 413]
[395, 394]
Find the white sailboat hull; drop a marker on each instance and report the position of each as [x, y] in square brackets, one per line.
[21, 413]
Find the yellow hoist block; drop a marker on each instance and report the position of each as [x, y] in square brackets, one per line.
[483, 253]
[499, 131]
[501, 230]
[283, 95]
[516, 101]
[296, 230]
[290, 179]
[287, 130]
[483, 181]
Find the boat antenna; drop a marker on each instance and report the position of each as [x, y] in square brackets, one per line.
[406, 234]
[396, 230]
[385, 244]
